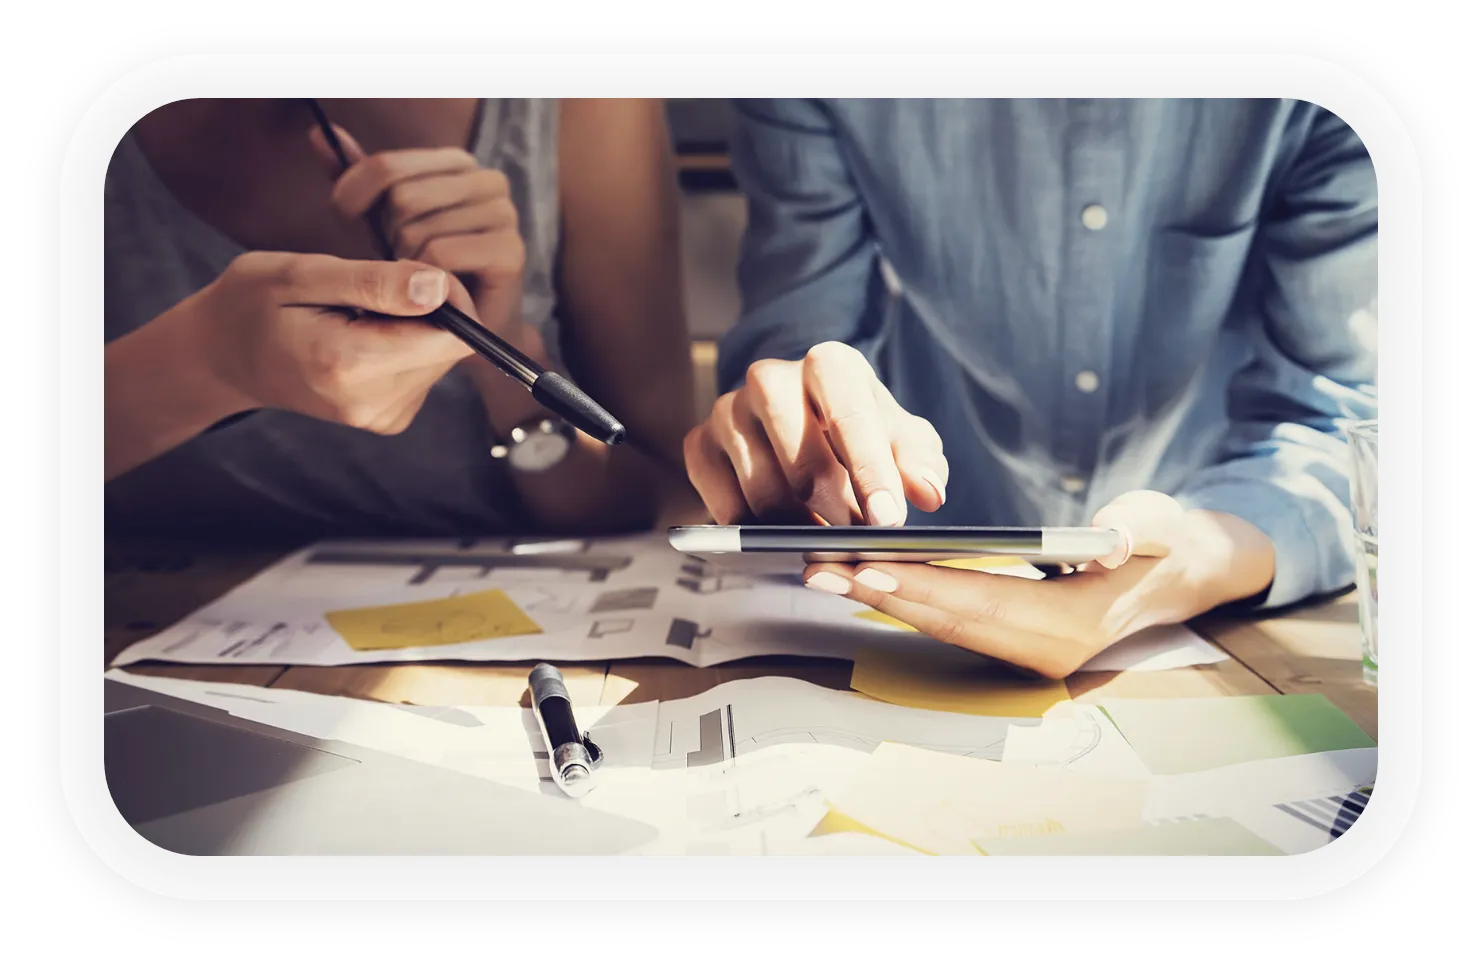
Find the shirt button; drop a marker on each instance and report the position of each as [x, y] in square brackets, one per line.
[1087, 381]
[1093, 217]
[1072, 484]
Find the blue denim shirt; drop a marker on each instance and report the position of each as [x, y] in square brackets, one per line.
[1085, 297]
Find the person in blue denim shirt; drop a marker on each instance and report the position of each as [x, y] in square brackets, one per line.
[1150, 315]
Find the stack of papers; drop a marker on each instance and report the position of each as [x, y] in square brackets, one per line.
[1254, 775]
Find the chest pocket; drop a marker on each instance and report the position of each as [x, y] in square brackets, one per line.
[1195, 274]
[1193, 281]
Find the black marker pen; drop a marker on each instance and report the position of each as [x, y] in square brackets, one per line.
[574, 757]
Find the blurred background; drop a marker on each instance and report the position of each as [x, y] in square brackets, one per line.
[713, 216]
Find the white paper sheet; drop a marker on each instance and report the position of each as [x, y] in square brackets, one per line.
[1081, 739]
[1271, 781]
[1298, 803]
[1157, 649]
[618, 598]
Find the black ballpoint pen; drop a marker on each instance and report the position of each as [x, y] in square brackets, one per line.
[550, 389]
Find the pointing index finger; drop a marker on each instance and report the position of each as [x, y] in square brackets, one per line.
[840, 387]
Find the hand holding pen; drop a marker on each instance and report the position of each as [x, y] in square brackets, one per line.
[439, 206]
[280, 330]
[410, 190]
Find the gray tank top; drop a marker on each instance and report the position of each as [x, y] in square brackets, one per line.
[278, 474]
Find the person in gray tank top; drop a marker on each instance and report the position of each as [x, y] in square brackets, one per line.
[258, 381]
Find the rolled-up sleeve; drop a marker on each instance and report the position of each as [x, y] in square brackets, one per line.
[808, 270]
[1283, 465]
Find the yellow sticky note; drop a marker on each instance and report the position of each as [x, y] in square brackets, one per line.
[939, 677]
[941, 804]
[834, 823]
[431, 623]
[985, 565]
[882, 618]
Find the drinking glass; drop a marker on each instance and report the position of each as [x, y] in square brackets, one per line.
[1363, 443]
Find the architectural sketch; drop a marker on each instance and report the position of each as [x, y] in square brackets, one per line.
[700, 576]
[630, 598]
[597, 567]
[611, 625]
[1334, 814]
[683, 633]
[717, 739]
[546, 600]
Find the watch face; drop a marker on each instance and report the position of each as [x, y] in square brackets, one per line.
[538, 452]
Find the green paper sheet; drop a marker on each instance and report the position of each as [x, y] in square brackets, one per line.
[1209, 836]
[1177, 735]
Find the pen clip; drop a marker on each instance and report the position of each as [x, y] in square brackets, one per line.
[592, 749]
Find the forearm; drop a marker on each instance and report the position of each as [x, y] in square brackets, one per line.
[1283, 464]
[156, 395]
[1297, 498]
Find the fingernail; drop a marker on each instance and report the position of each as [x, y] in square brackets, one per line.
[875, 580]
[883, 510]
[1126, 552]
[428, 288]
[829, 583]
[935, 482]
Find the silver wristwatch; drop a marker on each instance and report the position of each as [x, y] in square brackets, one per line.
[537, 445]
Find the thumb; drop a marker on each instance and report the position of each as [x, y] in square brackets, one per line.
[333, 163]
[1146, 519]
[401, 288]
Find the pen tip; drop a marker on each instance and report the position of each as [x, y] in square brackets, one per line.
[576, 407]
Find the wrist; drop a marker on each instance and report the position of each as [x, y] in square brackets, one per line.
[157, 394]
[1229, 558]
[190, 364]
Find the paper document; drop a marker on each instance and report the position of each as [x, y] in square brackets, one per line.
[939, 804]
[1176, 735]
[1211, 836]
[1306, 824]
[1157, 649]
[505, 600]
[1078, 738]
[1297, 803]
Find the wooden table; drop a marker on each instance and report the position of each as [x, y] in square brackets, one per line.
[148, 587]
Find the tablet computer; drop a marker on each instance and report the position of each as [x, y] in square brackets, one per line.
[1042, 545]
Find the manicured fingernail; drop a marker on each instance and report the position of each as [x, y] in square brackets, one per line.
[875, 580]
[829, 583]
[428, 288]
[935, 482]
[884, 511]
